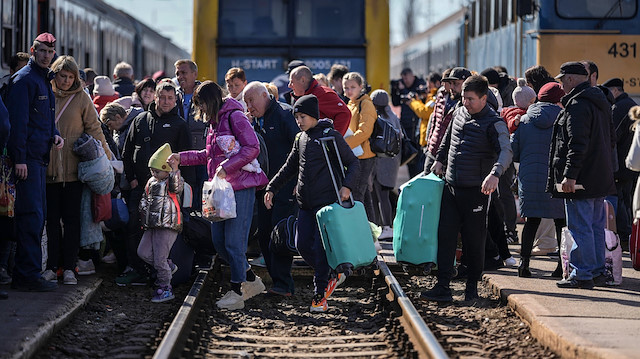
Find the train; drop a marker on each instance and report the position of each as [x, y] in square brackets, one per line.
[519, 34]
[94, 33]
[263, 36]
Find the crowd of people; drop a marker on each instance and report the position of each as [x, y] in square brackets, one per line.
[162, 138]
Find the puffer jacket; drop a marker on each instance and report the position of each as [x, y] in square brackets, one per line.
[475, 146]
[363, 118]
[213, 156]
[160, 203]
[79, 117]
[442, 113]
[582, 144]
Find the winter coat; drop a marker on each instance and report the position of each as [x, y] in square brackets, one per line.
[506, 87]
[160, 203]
[31, 114]
[387, 167]
[330, 106]
[632, 161]
[124, 86]
[582, 144]
[120, 134]
[5, 125]
[530, 144]
[197, 129]
[169, 128]
[78, 117]
[442, 114]
[314, 187]
[230, 116]
[509, 115]
[98, 177]
[406, 113]
[424, 111]
[624, 135]
[100, 101]
[475, 146]
[363, 118]
[279, 129]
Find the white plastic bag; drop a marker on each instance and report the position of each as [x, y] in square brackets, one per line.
[357, 151]
[218, 200]
[566, 244]
[613, 258]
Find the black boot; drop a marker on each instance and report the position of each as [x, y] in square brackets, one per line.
[523, 269]
[558, 272]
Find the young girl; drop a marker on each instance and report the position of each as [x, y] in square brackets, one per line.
[161, 218]
[363, 118]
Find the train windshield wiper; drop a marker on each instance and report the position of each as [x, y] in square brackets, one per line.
[609, 14]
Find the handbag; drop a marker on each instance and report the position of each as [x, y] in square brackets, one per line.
[101, 207]
[119, 215]
[7, 186]
[409, 149]
[283, 237]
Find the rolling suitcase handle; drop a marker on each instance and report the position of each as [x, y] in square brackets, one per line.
[324, 141]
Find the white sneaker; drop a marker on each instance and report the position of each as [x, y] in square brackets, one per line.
[50, 276]
[387, 233]
[109, 258]
[510, 262]
[231, 301]
[251, 289]
[69, 277]
[86, 267]
[377, 245]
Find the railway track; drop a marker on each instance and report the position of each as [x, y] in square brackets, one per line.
[370, 317]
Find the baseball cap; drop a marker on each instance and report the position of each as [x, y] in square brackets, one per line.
[458, 73]
[614, 82]
[572, 68]
[293, 64]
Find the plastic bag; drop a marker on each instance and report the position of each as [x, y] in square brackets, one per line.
[566, 244]
[218, 200]
[613, 258]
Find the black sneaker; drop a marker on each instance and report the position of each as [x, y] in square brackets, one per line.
[437, 294]
[600, 280]
[471, 295]
[575, 283]
[39, 285]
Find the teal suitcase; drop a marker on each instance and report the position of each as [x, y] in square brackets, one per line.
[344, 227]
[346, 237]
[415, 227]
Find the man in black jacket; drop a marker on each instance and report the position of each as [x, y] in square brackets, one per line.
[580, 157]
[624, 177]
[123, 79]
[148, 132]
[476, 152]
[278, 128]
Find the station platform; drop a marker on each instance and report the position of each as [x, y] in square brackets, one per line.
[29, 319]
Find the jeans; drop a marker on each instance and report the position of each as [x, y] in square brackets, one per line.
[230, 237]
[63, 203]
[154, 249]
[586, 221]
[309, 244]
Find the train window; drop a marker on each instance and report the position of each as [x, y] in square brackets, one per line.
[7, 12]
[596, 9]
[496, 14]
[251, 19]
[334, 19]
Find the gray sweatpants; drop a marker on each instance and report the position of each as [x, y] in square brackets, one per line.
[154, 249]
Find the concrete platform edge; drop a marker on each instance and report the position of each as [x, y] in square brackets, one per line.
[39, 338]
[564, 344]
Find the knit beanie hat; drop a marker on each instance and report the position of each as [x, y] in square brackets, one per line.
[523, 95]
[380, 98]
[551, 92]
[102, 86]
[492, 75]
[307, 104]
[159, 159]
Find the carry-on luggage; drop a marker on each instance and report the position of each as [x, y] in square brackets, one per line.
[613, 250]
[634, 244]
[344, 228]
[415, 227]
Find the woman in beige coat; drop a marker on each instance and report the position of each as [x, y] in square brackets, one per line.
[75, 115]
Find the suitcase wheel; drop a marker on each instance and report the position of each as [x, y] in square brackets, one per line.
[345, 268]
[426, 269]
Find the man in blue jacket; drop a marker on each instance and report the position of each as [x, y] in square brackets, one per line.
[33, 131]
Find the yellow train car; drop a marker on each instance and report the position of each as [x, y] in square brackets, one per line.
[262, 36]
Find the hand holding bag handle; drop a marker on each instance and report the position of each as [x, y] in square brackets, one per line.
[324, 141]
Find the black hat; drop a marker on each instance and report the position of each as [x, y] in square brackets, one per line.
[614, 82]
[458, 73]
[492, 75]
[307, 104]
[572, 68]
[293, 64]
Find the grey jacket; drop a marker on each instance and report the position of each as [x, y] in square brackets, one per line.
[160, 204]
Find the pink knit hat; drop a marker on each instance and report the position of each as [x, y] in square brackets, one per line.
[102, 86]
[523, 95]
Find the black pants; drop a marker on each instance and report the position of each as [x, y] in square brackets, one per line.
[362, 190]
[507, 200]
[624, 215]
[530, 230]
[63, 204]
[464, 211]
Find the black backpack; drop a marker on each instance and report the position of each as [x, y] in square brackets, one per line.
[385, 139]
[283, 237]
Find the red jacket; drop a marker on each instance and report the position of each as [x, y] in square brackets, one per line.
[101, 101]
[509, 114]
[331, 106]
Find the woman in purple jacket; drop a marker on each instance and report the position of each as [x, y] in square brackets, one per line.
[226, 117]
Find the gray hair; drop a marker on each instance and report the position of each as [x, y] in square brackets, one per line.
[257, 86]
[123, 69]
